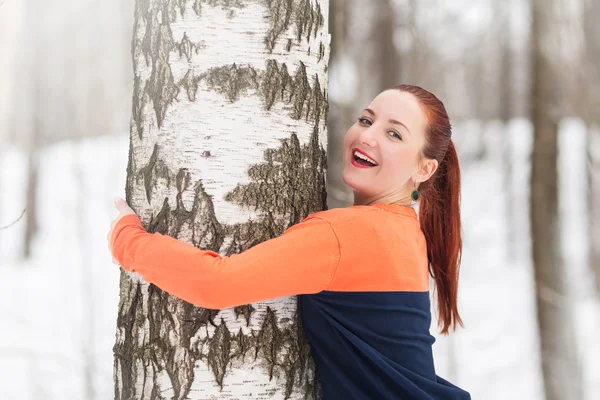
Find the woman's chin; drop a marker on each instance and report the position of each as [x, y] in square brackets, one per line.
[352, 182]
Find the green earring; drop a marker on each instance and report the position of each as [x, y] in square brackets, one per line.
[415, 194]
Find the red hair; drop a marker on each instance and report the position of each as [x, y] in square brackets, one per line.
[440, 206]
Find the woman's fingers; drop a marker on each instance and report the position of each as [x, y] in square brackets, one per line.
[122, 207]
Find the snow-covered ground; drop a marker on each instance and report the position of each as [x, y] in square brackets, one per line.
[58, 309]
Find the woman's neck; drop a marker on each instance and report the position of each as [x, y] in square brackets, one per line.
[402, 200]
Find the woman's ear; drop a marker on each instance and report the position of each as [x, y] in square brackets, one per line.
[426, 169]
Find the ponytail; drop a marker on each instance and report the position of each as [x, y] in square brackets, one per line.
[439, 211]
[440, 221]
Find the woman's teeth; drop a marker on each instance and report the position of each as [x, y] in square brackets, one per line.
[365, 158]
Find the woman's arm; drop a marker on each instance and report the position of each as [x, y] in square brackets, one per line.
[301, 261]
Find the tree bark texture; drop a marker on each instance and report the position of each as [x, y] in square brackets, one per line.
[227, 149]
[558, 347]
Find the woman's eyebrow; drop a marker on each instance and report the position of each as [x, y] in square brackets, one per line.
[391, 121]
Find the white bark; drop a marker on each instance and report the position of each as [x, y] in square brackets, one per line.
[227, 149]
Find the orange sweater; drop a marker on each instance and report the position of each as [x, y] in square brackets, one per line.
[361, 274]
[360, 248]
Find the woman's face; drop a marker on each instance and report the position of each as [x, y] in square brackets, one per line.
[390, 133]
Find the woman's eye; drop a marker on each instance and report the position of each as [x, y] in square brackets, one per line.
[364, 121]
[395, 134]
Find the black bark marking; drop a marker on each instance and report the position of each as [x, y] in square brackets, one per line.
[246, 311]
[182, 4]
[161, 85]
[219, 353]
[304, 362]
[318, 103]
[308, 20]
[283, 13]
[190, 83]
[231, 81]
[226, 5]
[280, 14]
[154, 170]
[301, 91]
[241, 345]
[160, 222]
[207, 232]
[125, 353]
[194, 318]
[274, 84]
[270, 341]
[156, 47]
[289, 182]
[137, 107]
[160, 323]
[321, 51]
[186, 47]
[197, 7]
[182, 180]
[276, 81]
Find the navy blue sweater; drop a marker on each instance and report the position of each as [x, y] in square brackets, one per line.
[374, 345]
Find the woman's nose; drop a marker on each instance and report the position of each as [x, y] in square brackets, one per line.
[367, 137]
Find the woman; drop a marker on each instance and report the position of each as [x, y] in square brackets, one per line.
[362, 272]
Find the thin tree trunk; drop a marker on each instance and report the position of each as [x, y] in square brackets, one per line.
[593, 156]
[558, 348]
[592, 103]
[505, 112]
[31, 226]
[35, 134]
[340, 119]
[386, 56]
[226, 150]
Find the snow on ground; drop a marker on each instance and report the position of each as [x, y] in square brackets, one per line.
[58, 308]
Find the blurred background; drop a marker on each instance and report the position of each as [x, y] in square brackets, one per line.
[505, 71]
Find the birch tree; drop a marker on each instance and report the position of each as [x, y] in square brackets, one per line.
[227, 149]
[558, 347]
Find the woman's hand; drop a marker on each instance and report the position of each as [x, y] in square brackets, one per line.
[123, 209]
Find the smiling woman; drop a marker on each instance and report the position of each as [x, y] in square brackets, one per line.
[383, 162]
[364, 290]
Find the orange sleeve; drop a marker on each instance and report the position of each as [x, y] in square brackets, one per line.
[301, 261]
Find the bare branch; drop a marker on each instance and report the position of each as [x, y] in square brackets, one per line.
[23, 213]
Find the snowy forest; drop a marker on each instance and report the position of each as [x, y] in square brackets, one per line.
[179, 107]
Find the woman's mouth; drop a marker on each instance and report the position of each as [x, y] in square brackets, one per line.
[361, 159]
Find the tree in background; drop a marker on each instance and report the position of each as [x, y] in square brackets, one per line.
[67, 84]
[591, 86]
[226, 151]
[340, 113]
[558, 347]
[365, 61]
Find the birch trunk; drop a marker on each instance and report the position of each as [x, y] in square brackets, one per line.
[560, 367]
[227, 149]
